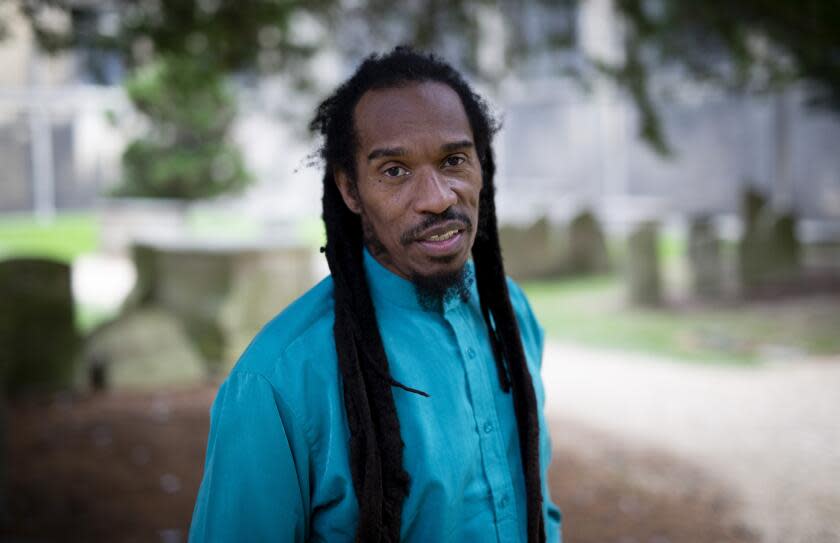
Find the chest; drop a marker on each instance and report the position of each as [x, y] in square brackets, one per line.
[461, 443]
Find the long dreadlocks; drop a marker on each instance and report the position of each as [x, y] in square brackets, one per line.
[376, 446]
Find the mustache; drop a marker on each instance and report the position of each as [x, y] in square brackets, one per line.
[411, 235]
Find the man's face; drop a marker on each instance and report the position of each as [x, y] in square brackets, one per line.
[418, 179]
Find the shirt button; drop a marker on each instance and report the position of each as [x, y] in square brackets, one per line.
[471, 352]
[503, 502]
[488, 427]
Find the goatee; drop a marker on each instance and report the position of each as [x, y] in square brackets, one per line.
[434, 291]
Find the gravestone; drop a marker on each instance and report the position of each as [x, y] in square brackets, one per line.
[704, 256]
[145, 348]
[642, 265]
[587, 245]
[38, 339]
[769, 251]
[755, 252]
[221, 292]
[787, 250]
[534, 251]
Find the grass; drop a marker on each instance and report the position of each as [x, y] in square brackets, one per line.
[64, 238]
[593, 311]
[590, 310]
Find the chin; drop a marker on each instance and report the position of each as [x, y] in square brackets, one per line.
[434, 288]
[445, 264]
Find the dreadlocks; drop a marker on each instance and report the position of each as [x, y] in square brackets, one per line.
[376, 446]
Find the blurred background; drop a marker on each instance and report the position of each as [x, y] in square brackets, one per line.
[668, 194]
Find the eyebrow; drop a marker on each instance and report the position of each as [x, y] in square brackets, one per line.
[401, 151]
[387, 152]
[456, 146]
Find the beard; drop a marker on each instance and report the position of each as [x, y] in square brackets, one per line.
[432, 290]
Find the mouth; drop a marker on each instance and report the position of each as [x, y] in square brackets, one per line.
[442, 237]
[442, 240]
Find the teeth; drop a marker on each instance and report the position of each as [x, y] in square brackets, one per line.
[443, 237]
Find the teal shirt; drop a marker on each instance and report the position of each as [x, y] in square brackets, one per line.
[277, 455]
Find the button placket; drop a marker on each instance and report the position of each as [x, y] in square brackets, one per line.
[481, 382]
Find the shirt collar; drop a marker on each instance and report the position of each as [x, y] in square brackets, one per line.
[385, 285]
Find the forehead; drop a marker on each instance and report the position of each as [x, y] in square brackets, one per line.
[426, 113]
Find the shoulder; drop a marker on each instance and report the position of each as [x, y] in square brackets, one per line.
[521, 305]
[518, 299]
[276, 349]
[529, 326]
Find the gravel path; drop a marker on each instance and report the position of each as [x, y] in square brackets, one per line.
[771, 432]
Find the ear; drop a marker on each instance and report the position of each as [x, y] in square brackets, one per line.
[348, 191]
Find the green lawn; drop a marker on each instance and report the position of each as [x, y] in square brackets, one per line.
[590, 310]
[64, 238]
[593, 311]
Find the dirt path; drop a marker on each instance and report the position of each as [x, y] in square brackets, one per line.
[771, 432]
[125, 467]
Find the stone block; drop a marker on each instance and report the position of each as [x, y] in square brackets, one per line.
[221, 293]
[146, 348]
[642, 265]
[38, 338]
[587, 245]
[534, 251]
[704, 255]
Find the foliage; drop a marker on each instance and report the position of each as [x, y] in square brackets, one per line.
[226, 34]
[756, 45]
[185, 154]
[179, 54]
[753, 45]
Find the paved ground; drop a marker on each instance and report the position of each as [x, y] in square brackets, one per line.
[771, 433]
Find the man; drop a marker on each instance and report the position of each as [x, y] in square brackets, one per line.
[400, 398]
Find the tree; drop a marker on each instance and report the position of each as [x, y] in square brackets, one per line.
[178, 55]
[745, 46]
[184, 153]
[750, 45]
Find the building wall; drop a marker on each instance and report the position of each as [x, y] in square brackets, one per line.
[562, 150]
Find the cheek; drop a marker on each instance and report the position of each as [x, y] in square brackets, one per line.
[385, 217]
[471, 195]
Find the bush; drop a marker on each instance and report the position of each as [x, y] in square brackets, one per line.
[185, 153]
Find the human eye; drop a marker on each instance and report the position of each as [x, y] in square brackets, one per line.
[395, 171]
[454, 160]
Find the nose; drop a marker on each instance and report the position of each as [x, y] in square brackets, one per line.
[434, 192]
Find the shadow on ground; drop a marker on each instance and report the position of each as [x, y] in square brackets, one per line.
[126, 467]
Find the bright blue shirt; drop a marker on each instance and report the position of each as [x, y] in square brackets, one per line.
[277, 465]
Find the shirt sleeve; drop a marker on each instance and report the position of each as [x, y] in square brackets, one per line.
[255, 484]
